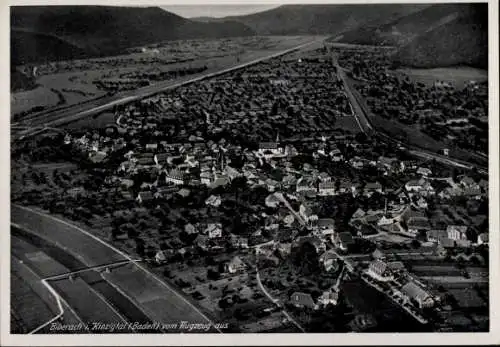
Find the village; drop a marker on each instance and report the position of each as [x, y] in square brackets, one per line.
[259, 196]
[453, 114]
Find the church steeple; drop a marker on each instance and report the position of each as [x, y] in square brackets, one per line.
[278, 137]
[221, 160]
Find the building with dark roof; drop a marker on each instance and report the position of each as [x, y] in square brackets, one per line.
[300, 299]
[379, 270]
[175, 177]
[422, 298]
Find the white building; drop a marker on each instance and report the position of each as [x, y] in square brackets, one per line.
[326, 188]
[457, 232]
[214, 230]
[175, 177]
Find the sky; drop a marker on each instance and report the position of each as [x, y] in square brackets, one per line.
[218, 11]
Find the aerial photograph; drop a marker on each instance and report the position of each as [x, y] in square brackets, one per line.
[249, 169]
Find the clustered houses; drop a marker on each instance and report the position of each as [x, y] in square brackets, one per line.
[295, 183]
[453, 115]
[394, 274]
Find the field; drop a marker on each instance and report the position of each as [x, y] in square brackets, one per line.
[347, 123]
[75, 79]
[455, 75]
[28, 309]
[149, 294]
[95, 122]
[365, 299]
[28, 265]
[81, 246]
[127, 289]
[86, 290]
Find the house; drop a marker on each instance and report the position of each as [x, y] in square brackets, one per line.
[330, 261]
[328, 297]
[300, 299]
[163, 255]
[457, 232]
[366, 230]
[336, 155]
[483, 184]
[144, 160]
[463, 243]
[202, 242]
[424, 172]
[190, 229]
[344, 240]
[436, 235]
[162, 192]
[467, 182]
[126, 182]
[307, 213]
[324, 177]
[385, 220]
[326, 226]
[97, 157]
[420, 186]
[415, 225]
[403, 198]
[396, 266]
[450, 192]
[379, 270]
[378, 254]
[372, 187]
[126, 166]
[482, 239]
[272, 201]
[356, 163]
[272, 148]
[305, 183]
[236, 265]
[418, 295]
[144, 197]
[447, 243]
[151, 147]
[175, 177]
[213, 230]
[359, 213]
[422, 203]
[161, 159]
[472, 192]
[272, 185]
[184, 192]
[238, 241]
[345, 187]
[326, 188]
[388, 164]
[232, 173]
[219, 181]
[207, 177]
[75, 192]
[213, 200]
[288, 181]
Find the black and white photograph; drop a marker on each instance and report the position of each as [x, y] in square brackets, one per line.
[251, 168]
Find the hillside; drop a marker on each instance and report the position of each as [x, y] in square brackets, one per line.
[402, 29]
[440, 35]
[19, 81]
[41, 33]
[461, 41]
[320, 19]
